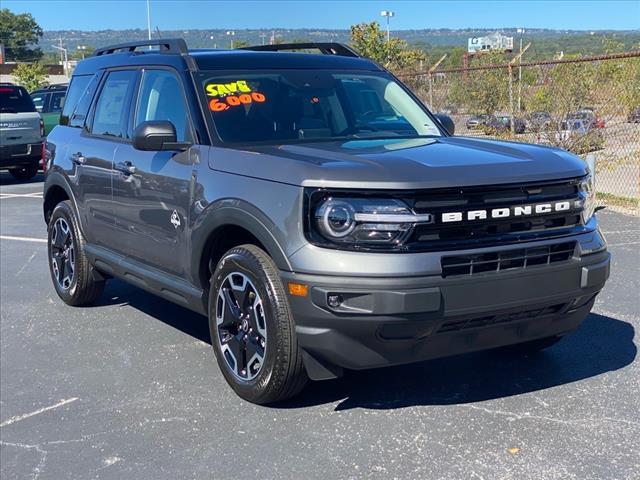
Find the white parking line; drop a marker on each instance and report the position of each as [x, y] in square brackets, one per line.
[17, 418]
[21, 195]
[23, 239]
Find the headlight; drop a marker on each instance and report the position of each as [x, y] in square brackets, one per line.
[588, 190]
[362, 222]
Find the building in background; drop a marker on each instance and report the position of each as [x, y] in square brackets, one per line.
[493, 42]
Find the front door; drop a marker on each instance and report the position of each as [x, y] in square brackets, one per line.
[152, 191]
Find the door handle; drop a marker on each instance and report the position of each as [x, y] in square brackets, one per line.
[78, 158]
[126, 167]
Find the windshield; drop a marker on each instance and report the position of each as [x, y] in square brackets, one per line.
[15, 100]
[298, 105]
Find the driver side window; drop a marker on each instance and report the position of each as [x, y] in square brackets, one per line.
[161, 98]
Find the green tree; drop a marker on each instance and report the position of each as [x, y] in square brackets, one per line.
[371, 42]
[30, 75]
[481, 91]
[20, 33]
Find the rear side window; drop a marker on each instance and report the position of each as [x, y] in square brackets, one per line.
[57, 100]
[112, 106]
[76, 91]
[15, 99]
[39, 101]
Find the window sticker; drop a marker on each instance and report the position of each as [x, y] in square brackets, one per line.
[231, 94]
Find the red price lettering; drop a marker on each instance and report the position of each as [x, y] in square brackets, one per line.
[217, 106]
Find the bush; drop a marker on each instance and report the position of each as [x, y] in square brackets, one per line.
[30, 75]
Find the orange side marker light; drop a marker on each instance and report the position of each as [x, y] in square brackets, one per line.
[298, 289]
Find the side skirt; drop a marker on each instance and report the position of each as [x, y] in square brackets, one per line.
[153, 280]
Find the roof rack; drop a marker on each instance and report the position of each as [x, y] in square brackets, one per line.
[326, 48]
[167, 45]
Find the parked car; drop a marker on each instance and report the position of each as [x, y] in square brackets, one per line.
[21, 132]
[588, 116]
[247, 186]
[502, 123]
[634, 115]
[539, 121]
[580, 136]
[477, 121]
[49, 102]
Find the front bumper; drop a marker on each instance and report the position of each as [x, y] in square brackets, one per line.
[391, 321]
[12, 156]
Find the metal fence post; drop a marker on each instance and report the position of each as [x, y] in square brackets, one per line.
[513, 129]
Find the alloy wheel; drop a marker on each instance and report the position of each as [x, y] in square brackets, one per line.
[62, 254]
[242, 326]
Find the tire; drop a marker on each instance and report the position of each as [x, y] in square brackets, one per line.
[252, 328]
[24, 173]
[72, 275]
[533, 346]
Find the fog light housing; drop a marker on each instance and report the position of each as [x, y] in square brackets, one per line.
[334, 300]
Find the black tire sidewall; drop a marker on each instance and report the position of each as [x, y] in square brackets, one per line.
[71, 295]
[243, 261]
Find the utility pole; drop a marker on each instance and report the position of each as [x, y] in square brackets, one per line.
[263, 36]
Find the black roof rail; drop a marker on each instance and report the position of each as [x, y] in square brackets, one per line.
[167, 45]
[327, 48]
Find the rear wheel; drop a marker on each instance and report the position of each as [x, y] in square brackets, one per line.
[24, 173]
[252, 329]
[72, 275]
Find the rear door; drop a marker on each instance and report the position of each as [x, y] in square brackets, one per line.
[152, 190]
[93, 153]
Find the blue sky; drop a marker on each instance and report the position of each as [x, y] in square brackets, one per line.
[174, 14]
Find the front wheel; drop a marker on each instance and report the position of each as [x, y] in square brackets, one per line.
[252, 328]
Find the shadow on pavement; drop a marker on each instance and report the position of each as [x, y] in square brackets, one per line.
[602, 344]
[7, 179]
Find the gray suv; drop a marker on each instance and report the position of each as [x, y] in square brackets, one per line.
[21, 133]
[313, 208]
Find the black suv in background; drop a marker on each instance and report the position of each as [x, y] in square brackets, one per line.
[314, 209]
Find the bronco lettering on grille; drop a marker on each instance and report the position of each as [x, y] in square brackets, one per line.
[514, 211]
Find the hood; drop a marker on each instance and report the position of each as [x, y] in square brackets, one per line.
[400, 163]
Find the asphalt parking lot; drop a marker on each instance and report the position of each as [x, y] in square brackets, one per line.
[129, 389]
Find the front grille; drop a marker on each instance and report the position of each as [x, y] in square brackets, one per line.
[455, 325]
[506, 259]
[467, 233]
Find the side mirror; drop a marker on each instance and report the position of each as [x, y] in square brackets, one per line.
[447, 123]
[157, 135]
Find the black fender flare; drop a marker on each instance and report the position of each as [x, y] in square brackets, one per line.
[235, 212]
[57, 179]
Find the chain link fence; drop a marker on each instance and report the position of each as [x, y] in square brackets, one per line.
[588, 106]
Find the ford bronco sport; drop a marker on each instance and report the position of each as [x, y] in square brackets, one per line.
[21, 132]
[312, 207]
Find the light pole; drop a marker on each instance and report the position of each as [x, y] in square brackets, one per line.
[263, 36]
[388, 14]
[149, 21]
[82, 49]
[66, 58]
[231, 33]
[521, 32]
